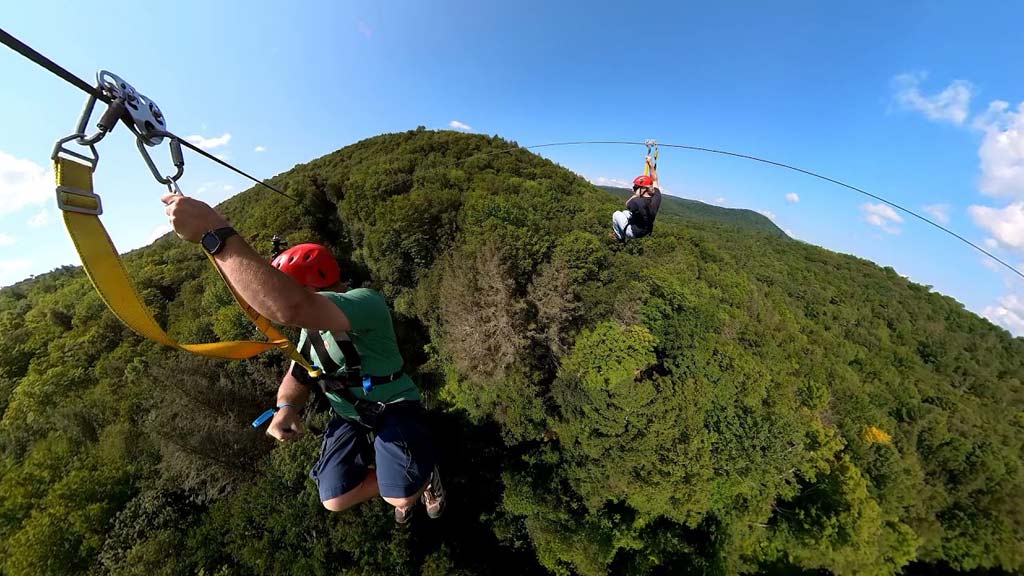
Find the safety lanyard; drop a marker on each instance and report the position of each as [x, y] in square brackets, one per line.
[82, 207]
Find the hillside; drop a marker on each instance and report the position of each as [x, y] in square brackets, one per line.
[692, 210]
[710, 399]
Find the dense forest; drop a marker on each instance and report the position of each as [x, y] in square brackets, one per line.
[713, 399]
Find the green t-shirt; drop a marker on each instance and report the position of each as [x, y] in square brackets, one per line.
[373, 336]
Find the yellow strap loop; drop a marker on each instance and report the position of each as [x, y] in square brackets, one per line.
[107, 273]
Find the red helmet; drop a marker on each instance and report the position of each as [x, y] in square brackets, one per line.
[644, 180]
[309, 264]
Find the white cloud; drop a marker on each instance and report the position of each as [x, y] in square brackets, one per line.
[940, 212]
[209, 143]
[768, 214]
[1008, 312]
[39, 220]
[991, 264]
[6, 240]
[951, 105]
[12, 271]
[159, 231]
[1002, 150]
[991, 243]
[259, 149]
[459, 125]
[792, 197]
[228, 188]
[606, 181]
[1006, 225]
[720, 201]
[883, 216]
[23, 183]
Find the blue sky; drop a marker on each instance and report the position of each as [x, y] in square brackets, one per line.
[915, 101]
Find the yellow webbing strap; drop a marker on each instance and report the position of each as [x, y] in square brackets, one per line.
[647, 168]
[103, 265]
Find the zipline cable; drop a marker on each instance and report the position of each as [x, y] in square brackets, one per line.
[39, 59]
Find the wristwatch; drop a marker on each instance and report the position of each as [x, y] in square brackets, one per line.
[214, 240]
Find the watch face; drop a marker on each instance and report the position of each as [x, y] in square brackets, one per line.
[211, 243]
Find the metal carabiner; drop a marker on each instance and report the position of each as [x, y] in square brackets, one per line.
[177, 158]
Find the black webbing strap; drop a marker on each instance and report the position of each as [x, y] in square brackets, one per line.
[368, 410]
[327, 364]
[353, 361]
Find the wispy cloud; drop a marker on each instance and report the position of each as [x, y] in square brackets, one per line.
[6, 240]
[159, 231]
[42, 218]
[459, 125]
[1002, 150]
[209, 143]
[12, 271]
[23, 183]
[883, 216]
[1005, 224]
[950, 105]
[606, 181]
[720, 201]
[1008, 312]
[259, 149]
[768, 214]
[365, 29]
[792, 197]
[940, 212]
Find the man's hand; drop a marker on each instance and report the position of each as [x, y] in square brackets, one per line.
[286, 425]
[650, 161]
[191, 218]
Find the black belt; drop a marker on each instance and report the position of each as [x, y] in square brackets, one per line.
[377, 380]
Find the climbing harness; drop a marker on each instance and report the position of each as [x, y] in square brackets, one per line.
[81, 208]
[330, 382]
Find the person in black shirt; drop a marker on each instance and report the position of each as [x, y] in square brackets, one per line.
[637, 220]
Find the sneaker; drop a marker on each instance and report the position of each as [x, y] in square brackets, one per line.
[434, 496]
[403, 516]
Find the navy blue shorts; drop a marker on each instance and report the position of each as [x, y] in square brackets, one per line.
[404, 454]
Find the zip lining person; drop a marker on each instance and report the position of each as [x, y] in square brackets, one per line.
[637, 220]
[349, 336]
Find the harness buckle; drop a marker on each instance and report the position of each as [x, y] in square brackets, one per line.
[75, 200]
[59, 149]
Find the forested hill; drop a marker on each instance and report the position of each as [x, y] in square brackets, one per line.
[708, 400]
[694, 210]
